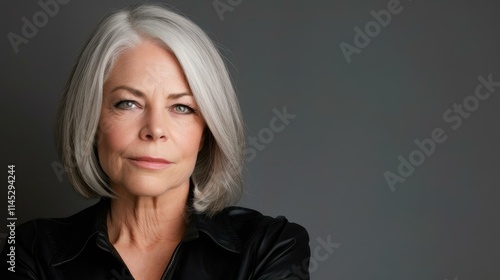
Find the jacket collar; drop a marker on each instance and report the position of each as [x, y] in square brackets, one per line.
[217, 227]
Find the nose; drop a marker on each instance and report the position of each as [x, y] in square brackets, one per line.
[154, 125]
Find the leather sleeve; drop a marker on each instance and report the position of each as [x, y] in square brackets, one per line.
[24, 269]
[283, 252]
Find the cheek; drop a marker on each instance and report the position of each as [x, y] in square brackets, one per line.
[111, 141]
[190, 140]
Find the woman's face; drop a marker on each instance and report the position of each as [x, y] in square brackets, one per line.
[150, 128]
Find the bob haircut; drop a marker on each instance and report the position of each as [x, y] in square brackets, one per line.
[217, 176]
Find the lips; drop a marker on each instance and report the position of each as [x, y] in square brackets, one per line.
[150, 162]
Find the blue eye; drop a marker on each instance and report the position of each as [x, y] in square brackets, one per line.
[125, 104]
[183, 109]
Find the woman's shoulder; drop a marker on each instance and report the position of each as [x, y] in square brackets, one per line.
[46, 242]
[49, 234]
[64, 225]
[248, 221]
[272, 245]
[241, 226]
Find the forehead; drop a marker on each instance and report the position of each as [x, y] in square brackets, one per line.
[147, 65]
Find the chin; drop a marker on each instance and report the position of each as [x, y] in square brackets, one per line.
[147, 186]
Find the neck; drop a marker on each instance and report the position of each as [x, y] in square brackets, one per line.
[143, 222]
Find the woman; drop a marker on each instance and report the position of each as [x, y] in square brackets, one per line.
[149, 122]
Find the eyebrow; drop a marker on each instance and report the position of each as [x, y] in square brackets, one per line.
[141, 94]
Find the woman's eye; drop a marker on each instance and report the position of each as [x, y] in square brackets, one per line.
[125, 104]
[183, 109]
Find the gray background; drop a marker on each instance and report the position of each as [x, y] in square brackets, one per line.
[325, 169]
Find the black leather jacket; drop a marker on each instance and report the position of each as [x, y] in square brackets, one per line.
[236, 244]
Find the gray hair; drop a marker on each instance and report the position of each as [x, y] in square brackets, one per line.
[217, 176]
